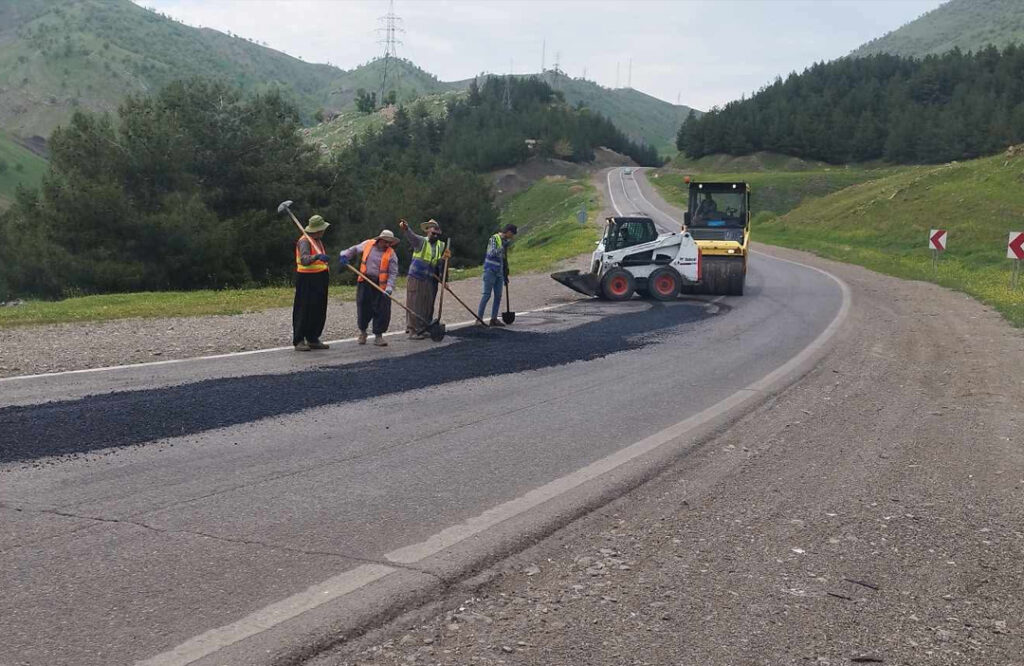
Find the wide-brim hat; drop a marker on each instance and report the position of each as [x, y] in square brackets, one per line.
[316, 223]
[431, 224]
[388, 236]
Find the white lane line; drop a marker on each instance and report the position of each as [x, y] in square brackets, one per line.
[611, 193]
[192, 359]
[656, 209]
[270, 616]
[261, 620]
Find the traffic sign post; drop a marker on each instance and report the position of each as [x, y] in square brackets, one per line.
[1015, 251]
[937, 242]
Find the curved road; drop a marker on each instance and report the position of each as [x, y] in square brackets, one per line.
[219, 509]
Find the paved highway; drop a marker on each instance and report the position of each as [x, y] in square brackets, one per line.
[222, 510]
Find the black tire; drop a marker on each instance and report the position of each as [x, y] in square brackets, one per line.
[618, 285]
[664, 284]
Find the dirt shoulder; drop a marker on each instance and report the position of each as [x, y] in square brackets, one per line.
[58, 347]
[872, 513]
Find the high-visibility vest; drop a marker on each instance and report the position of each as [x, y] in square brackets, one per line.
[315, 247]
[385, 261]
[496, 261]
[425, 259]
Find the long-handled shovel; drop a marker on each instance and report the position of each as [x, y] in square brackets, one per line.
[286, 206]
[508, 316]
[461, 302]
[444, 281]
[435, 328]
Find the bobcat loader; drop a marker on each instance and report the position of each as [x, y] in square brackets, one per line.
[634, 258]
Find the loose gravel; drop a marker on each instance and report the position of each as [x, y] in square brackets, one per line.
[872, 513]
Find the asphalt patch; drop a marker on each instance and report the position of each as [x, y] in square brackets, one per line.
[129, 418]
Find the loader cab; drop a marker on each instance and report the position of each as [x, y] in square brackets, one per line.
[623, 232]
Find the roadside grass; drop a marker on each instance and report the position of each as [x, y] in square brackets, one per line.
[549, 233]
[883, 225]
[776, 192]
[18, 166]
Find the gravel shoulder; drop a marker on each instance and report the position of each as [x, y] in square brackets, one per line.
[59, 347]
[871, 513]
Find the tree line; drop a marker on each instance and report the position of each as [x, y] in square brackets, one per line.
[903, 110]
[180, 190]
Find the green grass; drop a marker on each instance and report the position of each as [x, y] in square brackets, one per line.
[884, 224]
[549, 231]
[777, 192]
[18, 166]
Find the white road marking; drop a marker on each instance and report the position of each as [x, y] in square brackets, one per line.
[611, 194]
[338, 586]
[270, 616]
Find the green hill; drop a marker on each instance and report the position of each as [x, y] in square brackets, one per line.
[59, 55]
[56, 56]
[969, 25]
[640, 116]
[883, 225]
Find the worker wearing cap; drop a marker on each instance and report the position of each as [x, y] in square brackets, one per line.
[380, 264]
[496, 271]
[420, 289]
[312, 277]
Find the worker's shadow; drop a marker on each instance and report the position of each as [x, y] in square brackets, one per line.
[133, 417]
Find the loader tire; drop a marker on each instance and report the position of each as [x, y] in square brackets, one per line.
[618, 285]
[663, 284]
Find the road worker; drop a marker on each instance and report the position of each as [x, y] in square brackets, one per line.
[380, 264]
[312, 277]
[496, 271]
[427, 252]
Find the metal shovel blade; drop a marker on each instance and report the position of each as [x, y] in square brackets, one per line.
[508, 316]
[436, 330]
[585, 283]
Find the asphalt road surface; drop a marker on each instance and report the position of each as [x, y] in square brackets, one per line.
[175, 513]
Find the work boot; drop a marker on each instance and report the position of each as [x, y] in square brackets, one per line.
[301, 346]
[496, 322]
[362, 338]
[380, 341]
[316, 344]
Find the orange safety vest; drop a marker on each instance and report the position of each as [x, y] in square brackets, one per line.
[316, 247]
[382, 277]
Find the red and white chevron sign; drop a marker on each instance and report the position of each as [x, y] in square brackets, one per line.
[1015, 248]
[937, 239]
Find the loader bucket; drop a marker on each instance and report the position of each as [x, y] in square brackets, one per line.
[587, 284]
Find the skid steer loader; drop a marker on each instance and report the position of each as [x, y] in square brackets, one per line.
[633, 257]
[718, 218]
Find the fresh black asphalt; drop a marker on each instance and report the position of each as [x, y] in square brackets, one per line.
[134, 417]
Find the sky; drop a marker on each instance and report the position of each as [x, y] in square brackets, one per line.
[701, 53]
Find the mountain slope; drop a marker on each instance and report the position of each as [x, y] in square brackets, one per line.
[59, 55]
[969, 25]
[639, 115]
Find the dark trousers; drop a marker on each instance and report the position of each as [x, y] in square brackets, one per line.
[309, 312]
[371, 305]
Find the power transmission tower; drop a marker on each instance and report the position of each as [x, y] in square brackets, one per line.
[543, 48]
[392, 24]
[558, 58]
[629, 77]
[616, 74]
